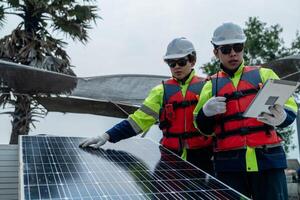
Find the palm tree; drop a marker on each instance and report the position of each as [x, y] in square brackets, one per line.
[31, 43]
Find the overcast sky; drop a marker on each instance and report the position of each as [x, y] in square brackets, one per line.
[132, 38]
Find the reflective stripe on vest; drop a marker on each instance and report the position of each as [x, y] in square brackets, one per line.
[149, 111]
[135, 126]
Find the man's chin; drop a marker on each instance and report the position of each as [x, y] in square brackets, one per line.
[233, 66]
[178, 77]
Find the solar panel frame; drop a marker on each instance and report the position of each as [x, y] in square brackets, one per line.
[173, 173]
[21, 168]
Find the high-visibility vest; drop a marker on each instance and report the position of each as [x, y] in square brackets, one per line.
[232, 130]
[176, 116]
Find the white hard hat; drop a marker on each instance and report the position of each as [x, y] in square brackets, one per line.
[178, 48]
[228, 33]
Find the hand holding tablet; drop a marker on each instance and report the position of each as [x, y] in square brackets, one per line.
[273, 92]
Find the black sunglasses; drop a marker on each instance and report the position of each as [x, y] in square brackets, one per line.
[180, 62]
[226, 49]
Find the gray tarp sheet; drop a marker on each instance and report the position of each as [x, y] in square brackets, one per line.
[112, 95]
[26, 79]
[287, 68]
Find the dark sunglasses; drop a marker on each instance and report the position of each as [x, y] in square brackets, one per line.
[226, 49]
[180, 62]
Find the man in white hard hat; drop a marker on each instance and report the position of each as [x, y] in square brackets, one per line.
[248, 155]
[172, 104]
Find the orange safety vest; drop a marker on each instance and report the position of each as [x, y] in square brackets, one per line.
[232, 129]
[176, 116]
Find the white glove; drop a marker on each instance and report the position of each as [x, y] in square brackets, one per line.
[277, 116]
[214, 106]
[95, 142]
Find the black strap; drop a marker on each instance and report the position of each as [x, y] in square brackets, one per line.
[164, 124]
[245, 131]
[184, 135]
[223, 119]
[183, 104]
[240, 93]
[236, 116]
[232, 96]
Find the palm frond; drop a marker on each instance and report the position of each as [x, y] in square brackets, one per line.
[2, 16]
[84, 13]
[73, 20]
[72, 28]
[5, 99]
[14, 3]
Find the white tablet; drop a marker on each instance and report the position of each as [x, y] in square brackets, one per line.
[273, 92]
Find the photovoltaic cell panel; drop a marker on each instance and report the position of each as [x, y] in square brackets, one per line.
[56, 168]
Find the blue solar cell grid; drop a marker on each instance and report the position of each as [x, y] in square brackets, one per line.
[56, 168]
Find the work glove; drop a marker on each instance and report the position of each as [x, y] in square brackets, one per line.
[214, 106]
[95, 142]
[277, 116]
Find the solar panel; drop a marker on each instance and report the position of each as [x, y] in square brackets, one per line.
[56, 168]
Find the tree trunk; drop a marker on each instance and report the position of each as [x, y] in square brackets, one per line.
[21, 118]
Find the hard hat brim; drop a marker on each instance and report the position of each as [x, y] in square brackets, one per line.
[174, 56]
[234, 41]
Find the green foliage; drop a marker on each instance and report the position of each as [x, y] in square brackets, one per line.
[296, 44]
[61, 15]
[263, 43]
[13, 3]
[212, 67]
[286, 134]
[2, 16]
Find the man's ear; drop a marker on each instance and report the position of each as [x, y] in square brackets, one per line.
[216, 53]
[193, 64]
